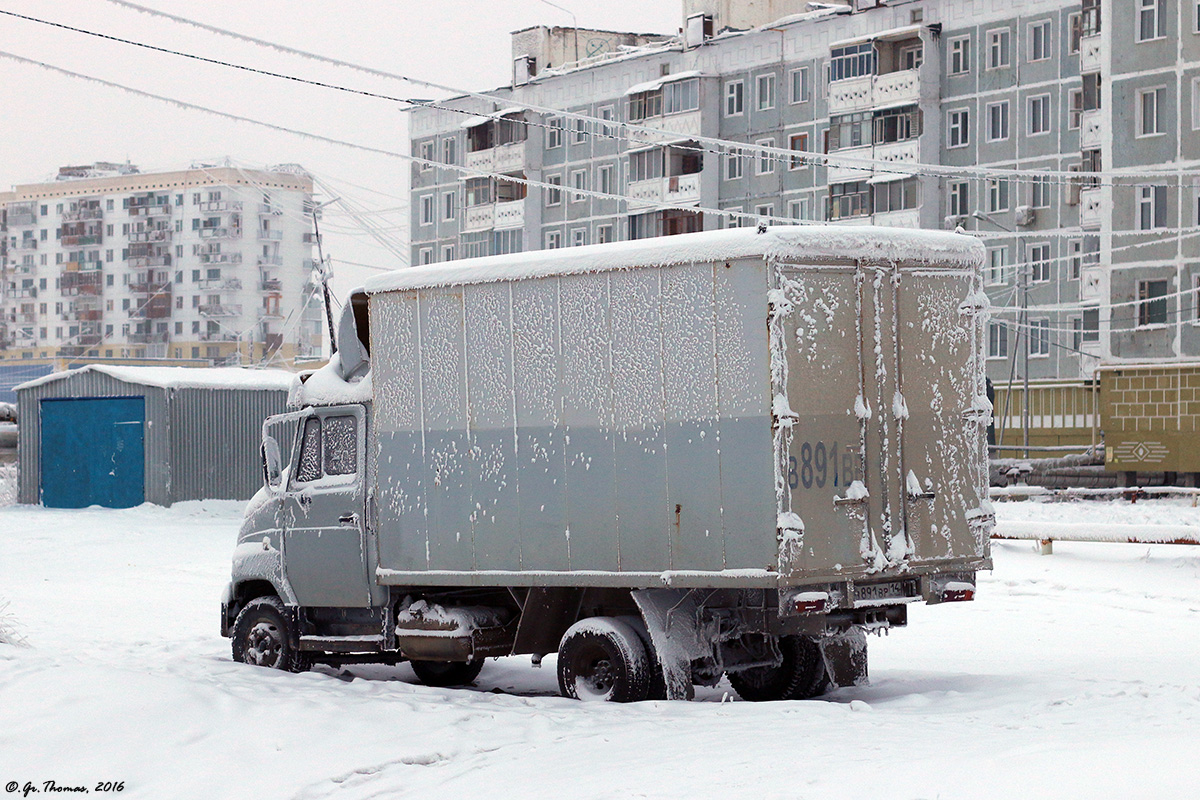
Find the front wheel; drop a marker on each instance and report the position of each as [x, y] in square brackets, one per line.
[447, 673]
[799, 676]
[603, 658]
[262, 636]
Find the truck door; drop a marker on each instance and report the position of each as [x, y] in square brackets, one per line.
[323, 519]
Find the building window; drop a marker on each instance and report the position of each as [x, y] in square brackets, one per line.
[799, 85]
[849, 200]
[733, 166]
[1152, 207]
[997, 340]
[449, 151]
[646, 165]
[895, 195]
[1196, 288]
[426, 255]
[960, 55]
[958, 199]
[553, 240]
[681, 96]
[579, 132]
[997, 265]
[1075, 248]
[447, 252]
[1039, 40]
[427, 154]
[427, 209]
[1090, 325]
[765, 212]
[1152, 20]
[958, 130]
[1074, 108]
[997, 121]
[1150, 110]
[765, 94]
[911, 57]
[578, 182]
[510, 241]
[1075, 32]
[997, 195]
[554, 133]
[449, 205]
[1039, 191]
[733, 217]
[1039, 337]
[849, 130]
[607, 114]
[1091, 91]
[735, 92]
[604, 177]
[798, 142]
[1039, 115]
[1039, 262]
[1152, 303]
[604, 234]
[553, 192]
[765, 163]
[998, 44]
[1196, 98]
[578, 237]
[799, 209]
[853, 61]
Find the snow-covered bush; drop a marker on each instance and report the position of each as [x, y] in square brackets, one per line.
[8, 484]
[8, 627]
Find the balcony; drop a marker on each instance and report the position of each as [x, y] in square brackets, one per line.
[25, 244]
[1091, 54]
[270, 313]
[510, 214]
[1091, 207]
[907, 218]
[219, 336]
[673, 189]
[685, 125]
[82, 214]
[502, 158]
[141, 262]
[479, 218]
[867, 91]
[21, 218]
[268, 209]
[150, 236]
[222, 233]
[270, 261]
[227, 285]
[148, 338]
[81, 240]
[840, 174]
[1091, 130]
[150, 288]
[217, 310]
[220, 206]
[269, 235]
[273, 285]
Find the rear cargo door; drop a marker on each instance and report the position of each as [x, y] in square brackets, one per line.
[944, 434]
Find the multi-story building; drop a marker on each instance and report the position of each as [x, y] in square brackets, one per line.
[1082, 269]
[210, 263]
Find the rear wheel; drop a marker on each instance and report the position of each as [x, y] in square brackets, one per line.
[800, 676]
[603, 658]
[262, 636]
[447, 673]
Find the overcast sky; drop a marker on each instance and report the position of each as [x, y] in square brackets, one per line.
[47, 120]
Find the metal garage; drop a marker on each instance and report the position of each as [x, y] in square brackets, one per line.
[120, 436]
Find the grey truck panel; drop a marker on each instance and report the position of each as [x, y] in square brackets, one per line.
[614, 423]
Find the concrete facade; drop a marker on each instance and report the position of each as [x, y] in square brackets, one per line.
[1053, 85]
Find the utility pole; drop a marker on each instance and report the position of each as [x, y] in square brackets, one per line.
[325, 272]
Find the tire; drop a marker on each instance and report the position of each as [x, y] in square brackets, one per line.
[603, 658]
[263, 636]
[657, 684]
[800, 676]
[447, 673]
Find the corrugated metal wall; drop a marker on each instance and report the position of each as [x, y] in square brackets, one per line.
[93, 384]
[214, 441]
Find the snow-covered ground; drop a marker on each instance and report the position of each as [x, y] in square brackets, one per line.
[1071, 675]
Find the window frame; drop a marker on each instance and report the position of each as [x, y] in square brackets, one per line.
[1041, 265]
[958, 119]
[1004, 118]
[1159, 93]
[1031, 29]
[1147, 310]
[740, 86]
[798, 162]
[764, 164]
[963, 55]
[1157, 9]
[733, 168]
[767, 79]
[428, 209]
[805, 85]
[1046, 118]
[994, 51]
[552, 194]
[1039, 337]
[994, 272]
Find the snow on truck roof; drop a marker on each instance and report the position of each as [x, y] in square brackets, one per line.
[182, 377]
[808, 244]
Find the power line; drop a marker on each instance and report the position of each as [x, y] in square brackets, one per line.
[726, 147]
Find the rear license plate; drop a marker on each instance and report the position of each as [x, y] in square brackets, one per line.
[874, 593]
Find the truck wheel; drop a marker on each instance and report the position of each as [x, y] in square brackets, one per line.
[603, 658]
[800, 676]
[262, 636]
[447, 673]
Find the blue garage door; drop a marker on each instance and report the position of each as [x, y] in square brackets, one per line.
[93, 452]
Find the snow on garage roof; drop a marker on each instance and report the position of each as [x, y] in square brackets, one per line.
[807, 244]
[182, 377]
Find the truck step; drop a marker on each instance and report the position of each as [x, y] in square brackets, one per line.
[342, 644]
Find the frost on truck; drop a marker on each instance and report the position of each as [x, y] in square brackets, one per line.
[730, 453]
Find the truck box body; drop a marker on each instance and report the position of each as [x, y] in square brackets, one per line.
[730, 409]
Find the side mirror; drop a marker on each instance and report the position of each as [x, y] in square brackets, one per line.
[272, 462]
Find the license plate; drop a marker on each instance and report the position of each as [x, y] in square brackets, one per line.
[870, 593]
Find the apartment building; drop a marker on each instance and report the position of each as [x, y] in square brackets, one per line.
[1081, 270]
[210, 263]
